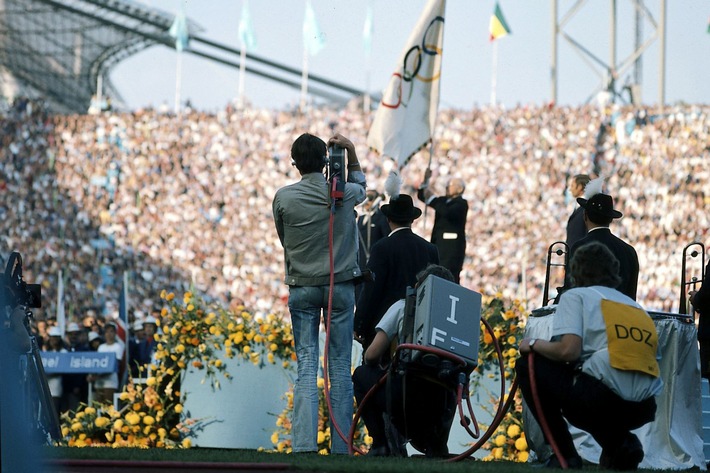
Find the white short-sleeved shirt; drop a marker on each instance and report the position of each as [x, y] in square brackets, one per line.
[54, 381]
[391, 321]
[579, 313]
[109, 380]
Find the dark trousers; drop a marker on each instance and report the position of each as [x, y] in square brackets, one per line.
[364, 378]
[422, 410]
[585, 402]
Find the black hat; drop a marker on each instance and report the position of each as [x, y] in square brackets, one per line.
[401, 209]
[601, 204]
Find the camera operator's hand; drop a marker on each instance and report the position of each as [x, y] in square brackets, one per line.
[340, 140]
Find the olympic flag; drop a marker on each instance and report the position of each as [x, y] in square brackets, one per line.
[404, 122]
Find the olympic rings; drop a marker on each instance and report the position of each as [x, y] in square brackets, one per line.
[398, 88]
[412, 64]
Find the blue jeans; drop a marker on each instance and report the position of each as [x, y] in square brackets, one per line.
[306, 304]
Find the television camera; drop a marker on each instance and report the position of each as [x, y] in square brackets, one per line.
[26, 386]
[15, 291]
[336, 173]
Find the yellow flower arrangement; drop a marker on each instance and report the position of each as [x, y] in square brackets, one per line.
[192, 333]
[507, 319]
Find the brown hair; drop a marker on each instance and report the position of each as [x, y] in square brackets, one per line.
[594, 264]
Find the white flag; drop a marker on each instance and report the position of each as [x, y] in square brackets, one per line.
[313, 39]
[246, 30]
[405, 119]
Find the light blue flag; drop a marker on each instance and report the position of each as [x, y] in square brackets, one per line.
[246, 31]
[179, 32]
[313, 39]
[367, 32]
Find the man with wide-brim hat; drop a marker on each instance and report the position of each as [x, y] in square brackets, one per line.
[401, 210]
[602, 205]
[394, 261]
[599, 212]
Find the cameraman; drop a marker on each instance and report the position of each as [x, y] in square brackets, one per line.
[302, 213]
[433, 402]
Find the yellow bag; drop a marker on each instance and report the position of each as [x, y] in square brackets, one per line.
[632, 337]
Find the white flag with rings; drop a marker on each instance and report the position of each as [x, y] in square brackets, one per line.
[405, 119]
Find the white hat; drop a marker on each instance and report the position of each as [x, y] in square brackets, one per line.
[137, 325]
[73, 327]
[93, 336]
[54, 332]
[150, 320]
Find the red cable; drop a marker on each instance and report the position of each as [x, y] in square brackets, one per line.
[540, 415]
[502, 406]
[326, 376]
[459, 396]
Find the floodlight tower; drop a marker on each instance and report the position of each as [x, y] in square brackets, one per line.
[610, 71]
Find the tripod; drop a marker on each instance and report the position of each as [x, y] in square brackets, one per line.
[37, 398]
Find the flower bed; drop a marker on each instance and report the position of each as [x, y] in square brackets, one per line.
[199, 336]
[194, 333]
[507, 319]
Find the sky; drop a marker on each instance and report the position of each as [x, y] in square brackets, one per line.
[522, 61]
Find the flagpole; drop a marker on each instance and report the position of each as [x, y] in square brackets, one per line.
[61, 313]
[99, 89]
[366, 100]
[304, 81]
[367, 42]
[178, 83]
[494, 72]
[127, 351]
[242, 73]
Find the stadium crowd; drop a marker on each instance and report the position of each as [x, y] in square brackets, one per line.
[185, 201]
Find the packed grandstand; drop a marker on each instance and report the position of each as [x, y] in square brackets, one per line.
[185, 201]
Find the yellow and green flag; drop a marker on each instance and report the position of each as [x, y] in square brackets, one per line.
[498, 26]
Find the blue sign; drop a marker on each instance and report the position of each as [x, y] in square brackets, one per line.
[78, 362]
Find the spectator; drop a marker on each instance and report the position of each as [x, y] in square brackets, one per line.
[146, 347]
[106, 385]
[94, 341]
[76, 386]
[169, 199]
[55, 381]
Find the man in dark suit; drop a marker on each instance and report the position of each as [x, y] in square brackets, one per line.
[576, 228]
[701, 302]
[395, 262]
[372, 225]
[599, 212]
[449, 231]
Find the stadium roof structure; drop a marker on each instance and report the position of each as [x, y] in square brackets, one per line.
[58, 49]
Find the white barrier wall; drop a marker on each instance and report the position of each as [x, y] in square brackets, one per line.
[238, 415]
